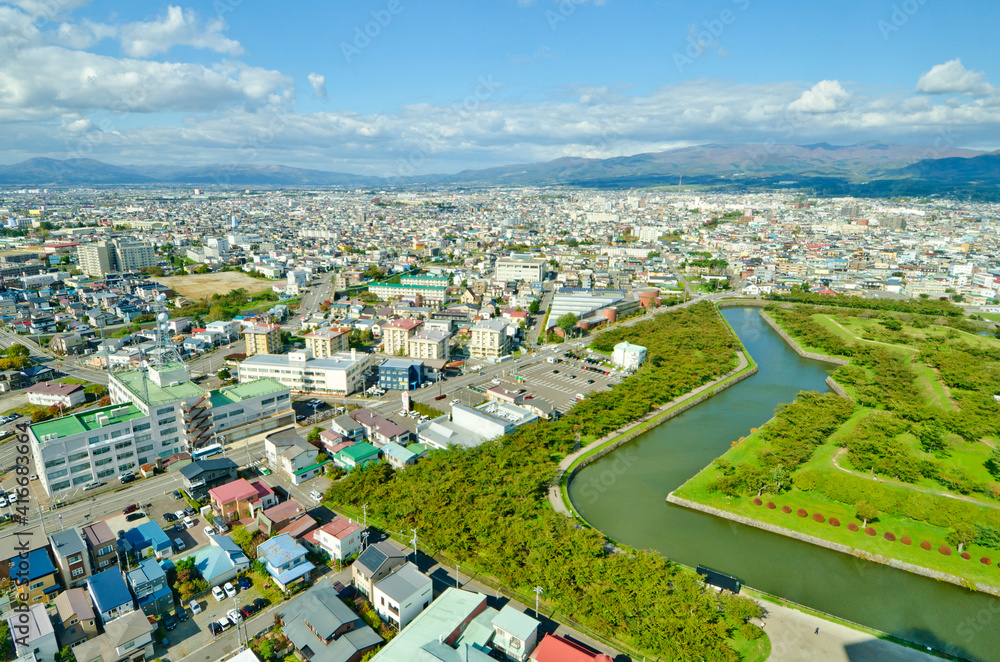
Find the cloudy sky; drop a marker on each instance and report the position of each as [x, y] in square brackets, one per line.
[398, 87]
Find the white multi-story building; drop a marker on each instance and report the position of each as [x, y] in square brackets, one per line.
[327, 341]
[489, 339]
[518, 267]
[155, 414]
[340, 374]
[628, 356]
[397, 333]
[430, 344]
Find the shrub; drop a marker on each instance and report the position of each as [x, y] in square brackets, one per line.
[786, 509]
[834, 521]
[945, 550]
[851, 526]
[870, 530]
[819, 518]
[985, 560]
[801, 512]
[757, 501]
[891, 537]
[770, 504]
[906, 540]
[925, 545]
[966, 556]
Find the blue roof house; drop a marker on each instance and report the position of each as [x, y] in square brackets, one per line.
[285, 560]
[148, 539]
[110, 594]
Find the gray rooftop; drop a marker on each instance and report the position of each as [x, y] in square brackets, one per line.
[404, 582]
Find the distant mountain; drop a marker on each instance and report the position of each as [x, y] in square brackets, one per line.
[870, 167]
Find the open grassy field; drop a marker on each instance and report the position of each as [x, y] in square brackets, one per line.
[199, 286]
[954, 485]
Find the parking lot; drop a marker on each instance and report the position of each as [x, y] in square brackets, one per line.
[559, 383]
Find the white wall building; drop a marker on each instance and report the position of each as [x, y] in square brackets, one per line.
[340, 374]
[628, 356]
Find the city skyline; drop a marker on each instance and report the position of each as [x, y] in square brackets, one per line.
[391, 88]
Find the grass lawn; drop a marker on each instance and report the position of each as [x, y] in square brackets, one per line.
[756, 650]
[73, 380]
[697, 490]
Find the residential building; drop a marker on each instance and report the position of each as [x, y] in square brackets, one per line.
[263, 339]
[293, 456]
[348, 428]
[554, 648]
[285, 560]
[323, 629]
[430, 345]
[472, 426]
[101, 258]
[74, 619]
[429, 293]
[375, 563]
[400, 374]
[110, 594]
[515, 634]
[101, 546]
[125, 639]
[72, 559]
[41, 580]
[520, 268]
[220, 561]
[398, 456]
[327, 341]
[454, 628]
[273, 520]
[402, 594]
[203, 475]
[67, 343]
[396, 335]
[149, 586]
[47, 394]
[356, 455]
[340, 538]
[240, 499]
[628, 356]
[488, 339]
[33, 634]
[341, 374]
[379, 430]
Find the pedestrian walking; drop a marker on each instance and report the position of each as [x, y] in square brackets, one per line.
[817, 630]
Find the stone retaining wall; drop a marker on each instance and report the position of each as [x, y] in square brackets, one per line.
[795, 346]
[837, 547]
[837, 388]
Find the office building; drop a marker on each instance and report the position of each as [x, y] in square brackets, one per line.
[340, 374]
[520, 268]
[628, 356]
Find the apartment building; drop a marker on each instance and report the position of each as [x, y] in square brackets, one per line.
[263, 339]
[397, 333]
[520, 268]
[327, 341]
[429, 344]
[101, 258]
[489, 339]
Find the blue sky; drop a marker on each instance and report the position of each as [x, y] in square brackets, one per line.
[395, 87]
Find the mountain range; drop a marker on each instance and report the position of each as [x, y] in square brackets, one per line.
[869, 168]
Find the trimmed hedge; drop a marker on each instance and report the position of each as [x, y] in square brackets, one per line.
[786, 509]
[966, 556]
[834, 521]
[891, 537]
[801, 512]
[985, 560]
[945, 550]
[925, 545]
[757, 501]
[871, 531]
[770, 504]
[852, 526]
[819, 518]
[906, 540]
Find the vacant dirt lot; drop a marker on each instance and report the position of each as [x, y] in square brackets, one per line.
[198, 286]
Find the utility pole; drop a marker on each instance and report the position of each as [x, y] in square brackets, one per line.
[364, 509]
[414, 541]
[538, 592]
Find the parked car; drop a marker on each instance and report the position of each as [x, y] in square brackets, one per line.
[177, 494]
[179, 545]
[130, 509]
[92, 485]
[190, 512]
[181, 614]
[209, 531]
[244, 582]
[234, 615]
[246, 611]
[218, 593]
[12, 496]
[131, 517]
[126, 477]
[169, 517]
[195, 607]
[168, 622]
[188, 522]
[179, 514]
[230, 590]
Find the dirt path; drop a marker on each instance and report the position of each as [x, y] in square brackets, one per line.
[873, 342]
[912, 488]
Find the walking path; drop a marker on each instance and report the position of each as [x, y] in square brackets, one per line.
[555, 495]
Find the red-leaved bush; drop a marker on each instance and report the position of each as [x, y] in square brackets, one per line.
[966, 556]
[757, 501]
[945, 549]
[786, 509]
[925, 545]
[891, 537]
[819, 518]
[801, 512]
[834, 521]
[852, 526]
[770, 504]
[871, 531]
[906, 540]
[985, 560]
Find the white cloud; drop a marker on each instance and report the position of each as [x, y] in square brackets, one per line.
[825, 96]
[318, 83]
[953, 78]
[178, 27]
[50, 9]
